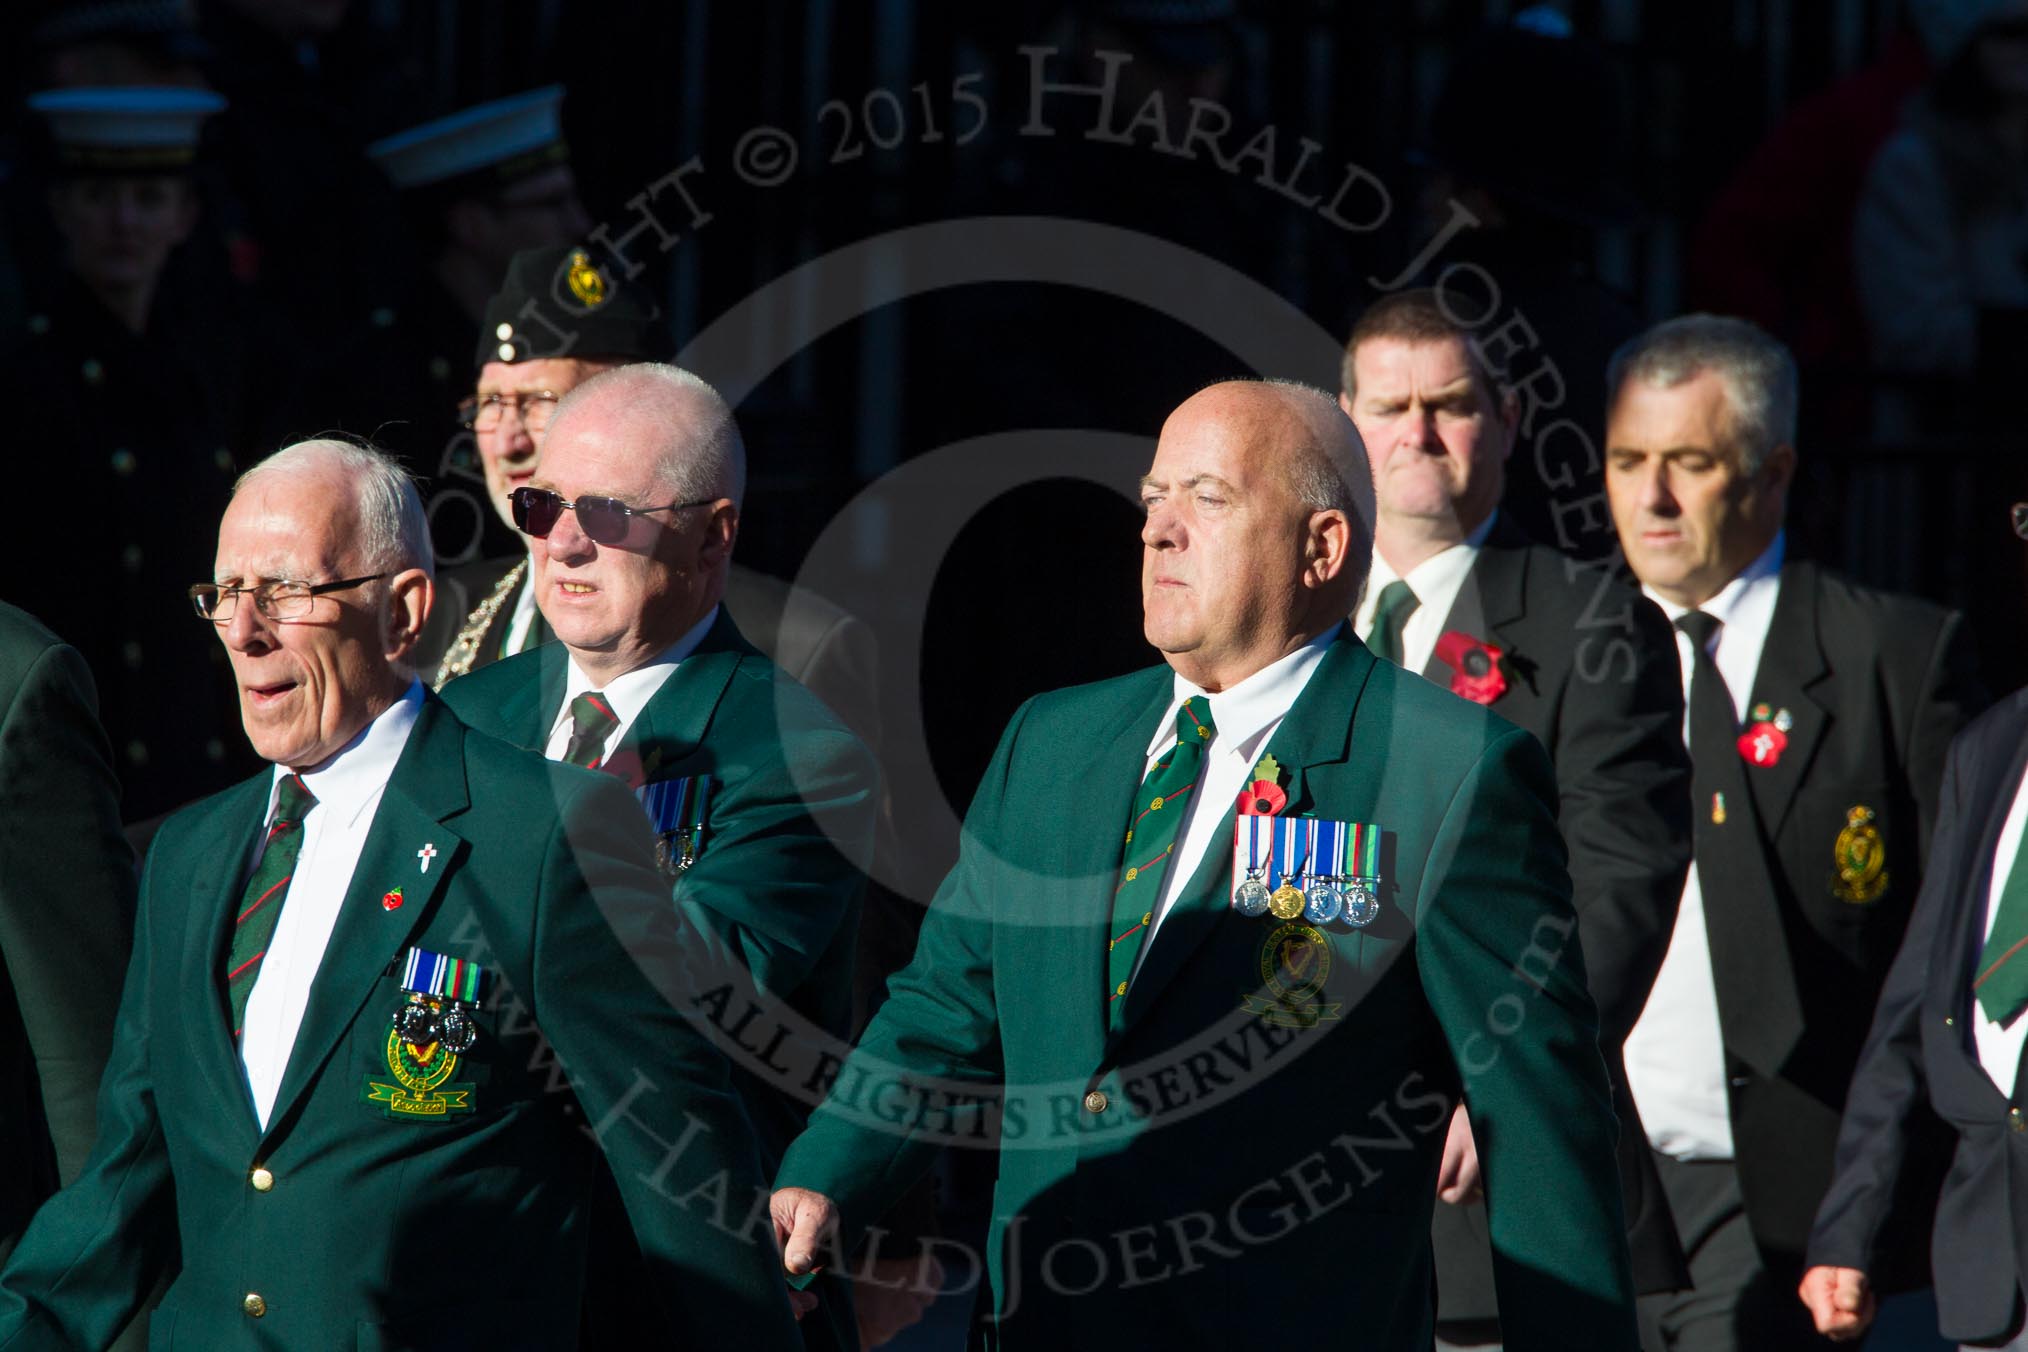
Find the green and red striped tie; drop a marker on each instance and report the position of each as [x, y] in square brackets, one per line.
[1151, 839]
[2002, 980]
[592, 720]
[260, 906]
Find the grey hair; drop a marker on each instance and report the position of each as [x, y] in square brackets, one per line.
[704, 457]
[1758, 373]
[1320, 482]
[394, 532]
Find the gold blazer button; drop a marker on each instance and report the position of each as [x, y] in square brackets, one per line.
[1096, 1101]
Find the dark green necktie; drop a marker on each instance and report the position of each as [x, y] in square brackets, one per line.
[1390, 615]
[2002, 982]
[260, 906]
[592, 720]
[1151, 839]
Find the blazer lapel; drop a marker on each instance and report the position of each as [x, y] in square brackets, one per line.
[221, 855]
[1491, 597]
[1792, 675]
[1316, 731]
[428, 785]
[673, 722]
[1975, 873]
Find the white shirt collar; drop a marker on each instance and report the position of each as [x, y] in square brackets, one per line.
[1244, 711]
[351, 780]
[1736, 601]
[630, 693]
[1435, 581]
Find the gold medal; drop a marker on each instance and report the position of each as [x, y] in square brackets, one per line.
[1286, 903]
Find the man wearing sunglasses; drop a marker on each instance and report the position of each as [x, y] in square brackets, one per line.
[558, 320]
[1947, 1037]
[326, 1082]
[762, 802]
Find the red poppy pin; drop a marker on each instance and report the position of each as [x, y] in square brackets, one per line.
[391, 901]
[1264, 796]
[1475, 666]
[1763, 744]
[1766, 735]
[625, 765]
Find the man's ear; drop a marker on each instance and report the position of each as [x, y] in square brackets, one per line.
[1327, 548]
[409, 597]
[721, 532]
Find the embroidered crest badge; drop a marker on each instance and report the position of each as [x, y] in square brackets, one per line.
[1860, 856]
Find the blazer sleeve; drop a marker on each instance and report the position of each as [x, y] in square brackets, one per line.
[66, 890]
[91, 1256]
[1624, 777]
[610, 990]
[940, 1021]
[1501, 965]
[1888, 1081]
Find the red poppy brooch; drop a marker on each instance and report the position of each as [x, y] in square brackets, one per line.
[1263, 797]
[1475, 666]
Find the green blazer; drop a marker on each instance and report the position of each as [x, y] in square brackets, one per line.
[1247, 1159]
[775, 888]
[66, 914]
[774, 893]
[356, 1228]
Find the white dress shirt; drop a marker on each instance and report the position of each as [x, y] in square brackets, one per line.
[1999, 1047]
[628, 694]
[1436, 582]
[1676, 1052]
[347, 788]
[522, 620]
[1246, 716]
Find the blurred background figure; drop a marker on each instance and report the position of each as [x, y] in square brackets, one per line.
[475, 188]
[138, 376]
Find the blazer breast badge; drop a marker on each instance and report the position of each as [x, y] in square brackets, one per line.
[431, 1031]
[1860, 856]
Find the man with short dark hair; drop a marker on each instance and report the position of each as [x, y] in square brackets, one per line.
[1580, 660]
[1223, 941]
[1819, 713]
[322, 1108]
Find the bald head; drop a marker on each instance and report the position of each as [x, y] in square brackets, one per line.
[1258, 527]
[669, 417]
[661, 443]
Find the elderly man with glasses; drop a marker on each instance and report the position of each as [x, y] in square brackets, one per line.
[329, 1110]
[763, 803]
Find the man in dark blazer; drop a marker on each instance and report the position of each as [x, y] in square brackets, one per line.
[1936, 1043]
[1819, 716]
[1229, 1132]
[1577, 658]
[378, 995]
[763, 801]
[557, 321]
[66, 914]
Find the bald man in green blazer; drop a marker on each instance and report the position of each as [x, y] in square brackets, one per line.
[1222, 1110]
[762, 802]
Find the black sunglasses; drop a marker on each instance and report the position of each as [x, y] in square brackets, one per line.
[603, 520]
